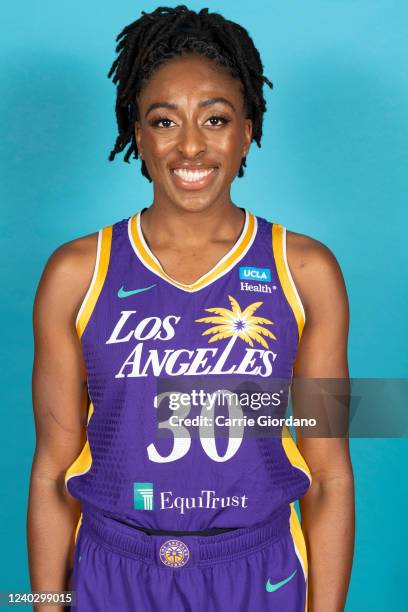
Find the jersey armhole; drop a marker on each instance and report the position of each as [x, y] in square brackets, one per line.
[98, 279]
[285, 276]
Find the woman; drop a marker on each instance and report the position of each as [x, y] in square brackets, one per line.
[125, 317]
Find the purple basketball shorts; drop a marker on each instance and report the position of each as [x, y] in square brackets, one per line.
[120, 568]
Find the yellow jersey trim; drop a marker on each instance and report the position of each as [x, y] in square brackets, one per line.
[285, 276]
[300, 544]
[293, 453]
[77, 528]
[83, 462]
[224, 265]
[98, 279]
[81, 465]
[296, 459]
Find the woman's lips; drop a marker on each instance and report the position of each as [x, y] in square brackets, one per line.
[189, 179]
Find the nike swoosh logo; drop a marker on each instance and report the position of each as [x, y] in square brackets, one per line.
[122, 293]
[274, 587]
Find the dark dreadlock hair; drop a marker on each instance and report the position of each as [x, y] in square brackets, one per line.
[166, 33]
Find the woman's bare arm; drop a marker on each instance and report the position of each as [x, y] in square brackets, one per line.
[328, 507]
[59, 400]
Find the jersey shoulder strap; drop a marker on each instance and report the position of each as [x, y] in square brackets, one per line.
[285, 276]
[110, 240]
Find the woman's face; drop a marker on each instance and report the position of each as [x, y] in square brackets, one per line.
[192, 131]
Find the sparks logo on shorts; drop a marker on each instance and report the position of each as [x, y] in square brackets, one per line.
[174, 553]
[143, 495]
[255, 274]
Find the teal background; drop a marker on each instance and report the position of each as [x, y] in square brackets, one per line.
[332, 165]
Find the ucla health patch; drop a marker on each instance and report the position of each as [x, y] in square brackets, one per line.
[255, 274]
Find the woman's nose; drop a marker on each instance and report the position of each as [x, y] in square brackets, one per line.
[191, 141]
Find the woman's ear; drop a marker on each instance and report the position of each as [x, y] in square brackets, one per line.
[247, 137]
[138, 138]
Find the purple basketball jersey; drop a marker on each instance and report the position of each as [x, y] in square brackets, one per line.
[145, 339]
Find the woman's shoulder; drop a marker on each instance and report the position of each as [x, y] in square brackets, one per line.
[314, 267]
[69, 269]
[306, 250]
[74, 258]
[67, 274]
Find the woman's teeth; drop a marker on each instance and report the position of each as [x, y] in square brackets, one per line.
[190, 176]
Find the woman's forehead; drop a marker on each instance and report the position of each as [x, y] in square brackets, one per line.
[195, 76]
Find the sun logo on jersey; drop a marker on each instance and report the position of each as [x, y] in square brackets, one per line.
[237, 323]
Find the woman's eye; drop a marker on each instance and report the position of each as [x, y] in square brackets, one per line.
[218, 120]
[164, 122]
[161, 120]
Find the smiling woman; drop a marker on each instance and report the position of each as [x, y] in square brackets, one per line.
[172, 34]
[192, 143]
[161, 301]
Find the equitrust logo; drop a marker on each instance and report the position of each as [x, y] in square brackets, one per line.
[206, 499]
[254, 279]
[143, 495]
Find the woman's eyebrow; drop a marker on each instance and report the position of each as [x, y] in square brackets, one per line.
[202, 104]
[160, 105]
[211, 101]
